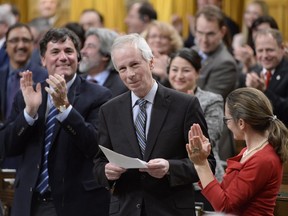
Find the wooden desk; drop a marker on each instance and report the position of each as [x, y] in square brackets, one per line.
[7, 178]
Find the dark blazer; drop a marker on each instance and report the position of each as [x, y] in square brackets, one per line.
[172, 115]
[219, 72]
[277, 91]
[4, 59]
[70, 163]
[115, 84]
[39, 75]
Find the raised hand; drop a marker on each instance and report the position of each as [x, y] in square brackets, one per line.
[199, 147]
[32, 98]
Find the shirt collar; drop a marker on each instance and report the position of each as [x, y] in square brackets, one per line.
[149, 97]
[264, 71]
[100, 77]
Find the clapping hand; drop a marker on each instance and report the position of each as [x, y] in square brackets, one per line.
[199, 146]
[32, 98]
[57, 90]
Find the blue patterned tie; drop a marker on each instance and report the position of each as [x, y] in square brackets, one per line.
[43, 179]
[140, 124]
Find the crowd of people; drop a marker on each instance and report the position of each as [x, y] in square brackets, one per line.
[179, 104]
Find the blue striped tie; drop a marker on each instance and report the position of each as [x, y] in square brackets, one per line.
[140, 124]
[43, 179]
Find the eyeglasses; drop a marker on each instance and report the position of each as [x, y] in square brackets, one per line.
[225, 119]
[17, 40]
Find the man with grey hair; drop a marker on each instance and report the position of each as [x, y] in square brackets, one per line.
[150, 122]
[272, 77]
[96, 61]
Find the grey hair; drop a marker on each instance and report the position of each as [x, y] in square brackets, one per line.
[135, 40]
[6, 15]
[276, 34]
[106, 38]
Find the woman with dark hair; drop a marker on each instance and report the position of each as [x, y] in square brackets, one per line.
[247, 188]
[183, 73]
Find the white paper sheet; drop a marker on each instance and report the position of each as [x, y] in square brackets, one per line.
[122, 160]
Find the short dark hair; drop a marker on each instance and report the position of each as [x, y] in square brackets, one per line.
[77, 29]
[61, 35]
[211, 13]
[189, 55]
[19, 25]
[264, 19]
[147, 10]
[101, 18]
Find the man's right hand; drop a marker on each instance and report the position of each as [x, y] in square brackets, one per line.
[32, 98]
[113, 172]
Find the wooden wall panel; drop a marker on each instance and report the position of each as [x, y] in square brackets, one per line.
[233, 8]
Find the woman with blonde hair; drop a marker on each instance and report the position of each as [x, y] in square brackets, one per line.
[164, 40]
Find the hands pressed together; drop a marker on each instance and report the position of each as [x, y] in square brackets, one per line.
[199, 146]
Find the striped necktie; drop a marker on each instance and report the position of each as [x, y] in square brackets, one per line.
[140, 124]
[43, 179]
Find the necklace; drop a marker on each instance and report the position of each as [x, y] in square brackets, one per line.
[248, 152]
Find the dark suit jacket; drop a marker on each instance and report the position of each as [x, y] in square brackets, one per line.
[172, 115]
[4, 59]
[39, 75]
[114, 83]
[277, 91]
[70, 159]
[219, 72]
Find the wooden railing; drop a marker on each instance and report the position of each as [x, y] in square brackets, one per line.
[7, 178]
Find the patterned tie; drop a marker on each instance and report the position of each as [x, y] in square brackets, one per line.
[268, 77]
[43, 179]
[140, 124]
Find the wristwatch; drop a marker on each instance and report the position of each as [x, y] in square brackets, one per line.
[63, 107]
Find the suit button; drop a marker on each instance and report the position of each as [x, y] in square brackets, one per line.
[31, 189]
[38, 166]
[138, 205]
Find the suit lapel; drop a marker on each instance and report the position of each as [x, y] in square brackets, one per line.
[158, 115]
[278, 75]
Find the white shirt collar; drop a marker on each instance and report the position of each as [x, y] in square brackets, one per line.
[149, 97]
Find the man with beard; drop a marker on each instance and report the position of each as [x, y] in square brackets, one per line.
[19, 47]
[96, 61]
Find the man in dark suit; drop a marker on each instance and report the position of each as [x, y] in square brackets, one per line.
[96, 64]
[55, 176]
[272, 78]
[19, 48]
[158, 137]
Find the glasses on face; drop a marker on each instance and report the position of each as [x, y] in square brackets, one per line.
[17, 40]
[226, 119]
